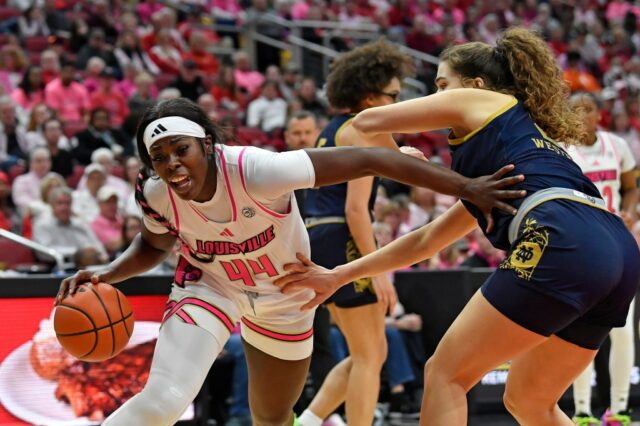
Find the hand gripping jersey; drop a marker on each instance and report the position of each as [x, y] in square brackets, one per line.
[251, 227]
[603, 163]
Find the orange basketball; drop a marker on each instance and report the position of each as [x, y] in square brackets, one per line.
[95, 323]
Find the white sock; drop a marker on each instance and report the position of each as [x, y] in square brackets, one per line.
[621, 363]
[582, 391]
[307, 418]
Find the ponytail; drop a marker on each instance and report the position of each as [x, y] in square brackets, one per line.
[522, 65]
[538, 82]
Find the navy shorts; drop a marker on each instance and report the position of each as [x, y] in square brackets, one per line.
[331, 246]
[572, 271]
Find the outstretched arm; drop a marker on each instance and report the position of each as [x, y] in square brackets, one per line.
[416, 246]
[337, 165]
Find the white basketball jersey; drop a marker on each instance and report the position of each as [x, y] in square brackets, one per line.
[603, 163]
[250, 249]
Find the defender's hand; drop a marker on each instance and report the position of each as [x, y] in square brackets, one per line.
[309, 275]
[486, 192]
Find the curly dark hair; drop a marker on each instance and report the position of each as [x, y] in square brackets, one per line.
[364, 71]
[181, 107]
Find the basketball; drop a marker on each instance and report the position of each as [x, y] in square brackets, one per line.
[95, 323]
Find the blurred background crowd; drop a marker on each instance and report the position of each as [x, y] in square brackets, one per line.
[76, 75]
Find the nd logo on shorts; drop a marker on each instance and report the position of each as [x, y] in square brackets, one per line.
[526, 255]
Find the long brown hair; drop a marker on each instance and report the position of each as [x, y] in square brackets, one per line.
[522, 65]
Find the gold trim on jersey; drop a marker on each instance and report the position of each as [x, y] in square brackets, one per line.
[336, 138]
[457, 141]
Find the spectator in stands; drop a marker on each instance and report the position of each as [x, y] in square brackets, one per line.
[103, 17]
[56, 21]
[269, 111]
[146, 8]
[65, 233]
[226, 92]
[129, 51]
[108, 97]
[26, 187]
[164, 53]
[290, 81]
[61, 159]
[13, 62]
[108, 224]
[14, 144]
[143, 97]
[391, 214]
[41, 206]
[97, 46]
[50, 65]
[6, 207]
[105, 158]
[131, 226]
[35, 127]
[30, 91]
[205, 62]
[85, 201]
[132, 167]
[91, 80]
[419, 38]
[308, 95]
[168, 93]
[66, 96]
[302, 131]
[423, 207]
[189, 82]
[33, 23]
[246, 77]
[621, 126]
[209, 105]
[577, 77]
[100, 135]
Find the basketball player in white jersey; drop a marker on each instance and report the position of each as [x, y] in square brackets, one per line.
[233, 211]
[607, 161]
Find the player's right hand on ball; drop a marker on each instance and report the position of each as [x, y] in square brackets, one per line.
[70, 284]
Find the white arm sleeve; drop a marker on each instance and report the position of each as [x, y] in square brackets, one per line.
[270, 175]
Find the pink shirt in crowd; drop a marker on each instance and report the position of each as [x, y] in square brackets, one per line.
[70, 102]
[107, 230]
[250, 80]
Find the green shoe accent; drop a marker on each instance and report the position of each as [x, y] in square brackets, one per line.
[583, 419]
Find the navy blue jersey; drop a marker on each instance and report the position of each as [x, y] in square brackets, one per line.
[330, 200]
[510, 136]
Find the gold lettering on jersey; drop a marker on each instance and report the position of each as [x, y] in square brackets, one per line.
[527, 254]
[322, 142]
[550, 146]
[229, 247]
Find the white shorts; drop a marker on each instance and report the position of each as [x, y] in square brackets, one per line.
[272, 323]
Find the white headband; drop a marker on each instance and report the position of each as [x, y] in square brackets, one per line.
[171, 126]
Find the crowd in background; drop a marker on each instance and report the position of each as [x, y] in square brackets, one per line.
[75, 77]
